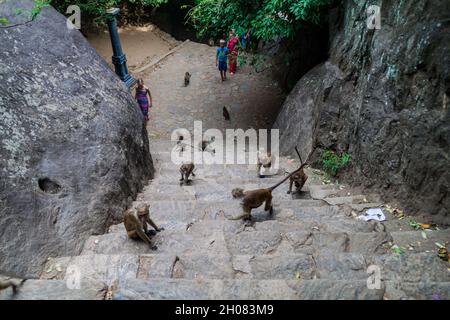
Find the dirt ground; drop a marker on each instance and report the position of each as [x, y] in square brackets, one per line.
[141, 45]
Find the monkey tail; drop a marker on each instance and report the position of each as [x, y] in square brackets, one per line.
[285, 179]
[299, 156]
[238, 217]
[290, 175]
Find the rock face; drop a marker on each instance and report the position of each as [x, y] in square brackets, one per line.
[74, 151]
[382, 96]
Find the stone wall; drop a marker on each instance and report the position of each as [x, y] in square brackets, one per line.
[74, 151]
[382, 96]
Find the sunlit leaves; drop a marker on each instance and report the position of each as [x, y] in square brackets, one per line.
[270, 19]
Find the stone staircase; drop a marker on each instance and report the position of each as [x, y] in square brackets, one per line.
[313, 247]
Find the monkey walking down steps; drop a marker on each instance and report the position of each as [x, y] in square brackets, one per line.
[312, 247]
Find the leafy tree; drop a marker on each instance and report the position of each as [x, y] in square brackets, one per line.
[97, 8]
[269, 19]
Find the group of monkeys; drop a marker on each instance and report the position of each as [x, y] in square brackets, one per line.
[253, 199]
[136, 220]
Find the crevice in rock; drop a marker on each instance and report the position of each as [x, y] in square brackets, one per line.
[49, 186]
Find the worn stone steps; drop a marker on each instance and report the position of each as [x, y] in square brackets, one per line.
[57, 290]
[180, 289]
[113, 269]
[185, 289]
[312, 247]
[214, 210]
[261, 238]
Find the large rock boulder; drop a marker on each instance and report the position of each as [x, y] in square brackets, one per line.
[383, 96]
[74, 151]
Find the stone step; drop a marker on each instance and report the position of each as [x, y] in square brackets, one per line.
[319, 192]
[217, 215]
[108, 269]
[238, 238]
[188, 211]
[114, 269]
[191, 289]
[57, 290]
[425, 290]
[212, 191]
[414, 241]
[182, 289]
[307, 234]
[222, 172]
[164, 156]
[200, 289]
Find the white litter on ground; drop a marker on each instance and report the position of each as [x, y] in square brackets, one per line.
[373, 214]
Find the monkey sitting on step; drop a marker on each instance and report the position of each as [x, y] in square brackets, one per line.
[265, 161]
[299, 179]
[187, 79]
[135, 222]
[205, 145]
[186, 171]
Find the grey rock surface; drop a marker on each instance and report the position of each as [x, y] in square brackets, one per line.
[56, 290]
[383, 96]
[74, 151]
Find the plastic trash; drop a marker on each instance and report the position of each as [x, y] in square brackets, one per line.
[373, 214]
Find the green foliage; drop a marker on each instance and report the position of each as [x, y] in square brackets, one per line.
[268, 18]
[332, 162]
[4, 21]
[38, 6]
[97, 8]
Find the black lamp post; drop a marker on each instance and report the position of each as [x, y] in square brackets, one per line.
[118, 59]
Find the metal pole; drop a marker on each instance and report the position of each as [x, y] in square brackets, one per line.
[119, 59]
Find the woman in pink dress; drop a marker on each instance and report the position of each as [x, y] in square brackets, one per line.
[232, 47]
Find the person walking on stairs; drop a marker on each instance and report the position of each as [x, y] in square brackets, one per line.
[144, 99]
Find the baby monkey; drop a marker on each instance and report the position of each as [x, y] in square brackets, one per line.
[186, 171]
[135, 222]
[205, 145]
[299, 179]
[265, 160]
[187, 79]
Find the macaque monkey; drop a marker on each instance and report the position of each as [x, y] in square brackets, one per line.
[264, 160]
[186, 171]
[299, 179]
[135, 221]
[255, 198]
[204, 145]
[226, 114]
[15, 284]
[187, 79]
